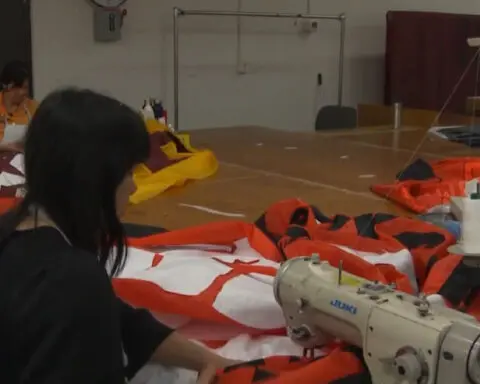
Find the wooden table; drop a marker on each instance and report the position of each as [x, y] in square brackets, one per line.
[259, 166]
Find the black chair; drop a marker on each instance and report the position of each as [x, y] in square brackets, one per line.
[334, 117]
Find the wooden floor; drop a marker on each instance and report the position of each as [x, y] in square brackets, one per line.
[259, 166]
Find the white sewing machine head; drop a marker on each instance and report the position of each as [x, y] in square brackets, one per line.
[405, 339]
[466, 209]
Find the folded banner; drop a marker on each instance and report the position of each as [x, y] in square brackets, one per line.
[173, 161]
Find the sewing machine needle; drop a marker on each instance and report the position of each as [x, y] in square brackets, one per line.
[340, 271]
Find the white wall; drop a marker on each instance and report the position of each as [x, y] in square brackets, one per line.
[279, 88]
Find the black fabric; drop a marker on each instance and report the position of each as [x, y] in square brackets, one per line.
[296, 232]
[366, 223]
[462, 280]
[262, 225]
[251, 363]
[293, 233]
[141, 336]
[412, 240]
[262, 374]
[300, 216]
[472, 295]
[360, 378]
[294, 359]
[319, 216]
[338, 222]
[61, 321]
[431, 262]
[418, 170]
[137, 230]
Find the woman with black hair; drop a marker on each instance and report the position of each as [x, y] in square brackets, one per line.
[60, 320]
[16, 108]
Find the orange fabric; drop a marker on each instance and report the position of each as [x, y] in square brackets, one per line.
[338, 365]
[320, 239]
[440, 273]
[7, 203]
[452, 279]
[317, 238]
[420, 196]
[145, 294]
[292, 228]
[324, 241]
[19, 116]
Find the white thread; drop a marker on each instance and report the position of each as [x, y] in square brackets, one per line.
[212, 211]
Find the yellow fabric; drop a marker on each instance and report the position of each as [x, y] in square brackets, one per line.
[196, 165]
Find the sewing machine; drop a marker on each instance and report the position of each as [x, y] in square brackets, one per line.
[405, 339]
[466, 209]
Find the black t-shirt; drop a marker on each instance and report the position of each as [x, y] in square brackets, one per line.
[60, 321]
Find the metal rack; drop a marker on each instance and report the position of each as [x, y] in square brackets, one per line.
[178, 12]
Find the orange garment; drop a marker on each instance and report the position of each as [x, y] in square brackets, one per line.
[423, 185]
[20, 116]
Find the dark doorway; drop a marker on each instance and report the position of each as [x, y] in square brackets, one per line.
[15, 33]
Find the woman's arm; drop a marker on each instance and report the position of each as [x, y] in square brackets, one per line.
[178, 351]
[11, 147]
[147, 340]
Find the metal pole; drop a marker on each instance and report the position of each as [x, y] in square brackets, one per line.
[176, 69]
[240, 66]
[341, 58]
[397, 115]
[177, 12]
[193, 12]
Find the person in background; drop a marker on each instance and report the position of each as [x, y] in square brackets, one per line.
[16, 108]
[61, 321]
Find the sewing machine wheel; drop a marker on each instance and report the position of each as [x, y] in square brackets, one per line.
[410, 367]
[474, 363]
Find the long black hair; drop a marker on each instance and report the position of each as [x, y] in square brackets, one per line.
[79, 147]
[14, 73]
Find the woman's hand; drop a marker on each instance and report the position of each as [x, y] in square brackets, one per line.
[207, 374]
[177, 351]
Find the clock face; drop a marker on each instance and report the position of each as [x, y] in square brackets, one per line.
[109, 3]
